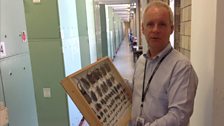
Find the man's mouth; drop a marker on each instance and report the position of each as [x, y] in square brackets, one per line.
[155, 38]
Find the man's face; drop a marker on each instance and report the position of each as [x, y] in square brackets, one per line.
[157, 27]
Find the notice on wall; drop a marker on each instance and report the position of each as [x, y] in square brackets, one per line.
[2, 50]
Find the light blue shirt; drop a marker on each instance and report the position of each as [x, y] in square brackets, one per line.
[170, 97]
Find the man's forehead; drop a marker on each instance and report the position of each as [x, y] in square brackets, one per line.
[154, 9]
[156, 12]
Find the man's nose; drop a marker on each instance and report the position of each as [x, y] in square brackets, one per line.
[155, 28]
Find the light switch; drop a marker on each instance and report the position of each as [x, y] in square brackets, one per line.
[47, 92]
[36, 1]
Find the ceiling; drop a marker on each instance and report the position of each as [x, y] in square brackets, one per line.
[120, 7]
[109, 2]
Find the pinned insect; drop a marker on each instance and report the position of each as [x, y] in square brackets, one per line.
[105, 110]
[109, 83]
[115, 89]
[101, 114]
[98, 72]
[93, 96]
[95, 75]
[102, 101]
[105, 120]
[117, 97]
[112, 78]
[104, 87]
[99, 117]
[91, 78]
[103, 71]
[86, 96]
[119, 86]
[85, 83]
[88, 99]
[98, 106]
[107, 67]
[98, 91]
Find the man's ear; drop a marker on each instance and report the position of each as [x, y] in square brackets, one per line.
[172, 28]
[142, 28]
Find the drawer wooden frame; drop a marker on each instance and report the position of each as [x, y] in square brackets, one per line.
[72, 87]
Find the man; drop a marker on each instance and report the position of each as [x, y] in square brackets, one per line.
[167, 77]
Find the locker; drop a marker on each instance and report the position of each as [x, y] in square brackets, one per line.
[16, 82]
[13, 27]
[18, 90]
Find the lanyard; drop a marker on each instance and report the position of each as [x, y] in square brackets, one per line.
[144, 92]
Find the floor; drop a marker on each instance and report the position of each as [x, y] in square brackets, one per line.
[124, 61]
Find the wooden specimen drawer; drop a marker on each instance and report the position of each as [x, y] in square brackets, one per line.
[100, 93]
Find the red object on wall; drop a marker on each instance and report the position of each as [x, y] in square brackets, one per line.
[24, 36]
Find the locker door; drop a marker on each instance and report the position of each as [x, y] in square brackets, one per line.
[19, 91]
[13, 26]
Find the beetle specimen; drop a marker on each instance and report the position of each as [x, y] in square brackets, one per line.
[104, 72]
[102, 101]
[109, 83]
[85, 83]
[98, 72]
[91, 78]
[104, 87]
[99, 91]
[93, 96]
[86, 96]
[98, 106]
[107, 67]
[112, 78]
[95, 75]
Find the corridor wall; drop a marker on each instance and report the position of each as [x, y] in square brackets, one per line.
[110, 31]
[114, 31]
[45, 46]
[60, 45]
[91, 29]
[71, 49]
[83, 32]
[206, 56]
[97, 16]
[103, 26]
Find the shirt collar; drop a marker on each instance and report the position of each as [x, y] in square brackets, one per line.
[161, 54]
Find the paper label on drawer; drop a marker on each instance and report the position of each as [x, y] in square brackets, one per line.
[3, 116]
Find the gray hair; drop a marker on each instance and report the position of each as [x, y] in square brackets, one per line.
[157, 3]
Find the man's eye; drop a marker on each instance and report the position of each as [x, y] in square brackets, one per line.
[162, 24]
[150, 24]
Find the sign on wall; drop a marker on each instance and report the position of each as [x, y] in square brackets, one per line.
[2, 50]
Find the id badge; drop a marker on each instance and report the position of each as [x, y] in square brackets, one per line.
[139, 121]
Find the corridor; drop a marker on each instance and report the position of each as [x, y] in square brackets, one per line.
[124, 61]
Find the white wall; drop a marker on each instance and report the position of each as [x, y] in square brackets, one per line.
[71, 49]
[203, 57]
[172, 35]
[218, 112]
[144, 42]
[91, 30]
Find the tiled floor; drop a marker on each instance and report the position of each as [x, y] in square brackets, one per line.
[124, 61]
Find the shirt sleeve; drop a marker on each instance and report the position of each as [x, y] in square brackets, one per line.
[181, 93]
